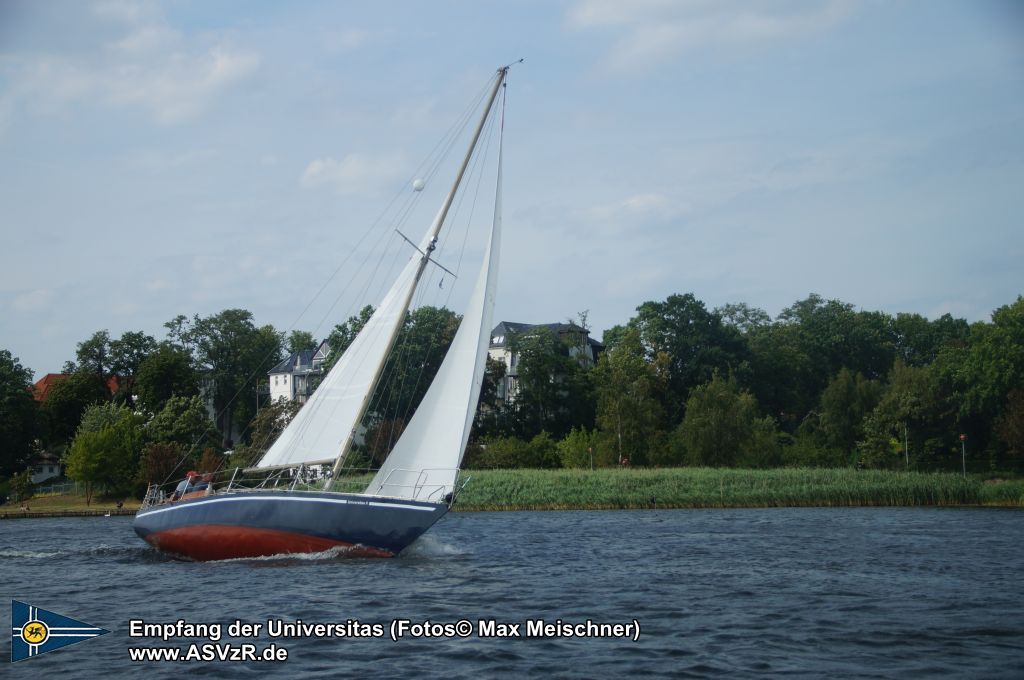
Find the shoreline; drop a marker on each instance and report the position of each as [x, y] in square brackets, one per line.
[519, 490]
[567, 508]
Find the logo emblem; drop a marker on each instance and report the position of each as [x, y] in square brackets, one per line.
[36, 631]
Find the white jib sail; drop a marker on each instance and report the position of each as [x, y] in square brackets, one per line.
[424, 463]
[319, 430]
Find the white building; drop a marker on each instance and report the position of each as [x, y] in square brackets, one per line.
[295, 378]
[44, 466]
[581, 346]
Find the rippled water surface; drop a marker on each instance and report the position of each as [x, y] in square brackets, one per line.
[886, 593]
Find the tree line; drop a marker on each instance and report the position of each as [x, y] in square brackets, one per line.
[133, 410]
[822, 384]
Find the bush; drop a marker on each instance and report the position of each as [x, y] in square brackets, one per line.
[542, 453]
[503, 452]
[803, 450]
[22, 486]
[578, 448]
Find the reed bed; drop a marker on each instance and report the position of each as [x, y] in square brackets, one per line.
[722, 488]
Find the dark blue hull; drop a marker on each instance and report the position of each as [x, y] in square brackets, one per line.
[257, 523]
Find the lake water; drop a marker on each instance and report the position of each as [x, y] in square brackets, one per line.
[817, 593]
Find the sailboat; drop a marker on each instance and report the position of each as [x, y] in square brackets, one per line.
[415, 486]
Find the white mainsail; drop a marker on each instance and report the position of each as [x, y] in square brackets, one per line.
[424, 463]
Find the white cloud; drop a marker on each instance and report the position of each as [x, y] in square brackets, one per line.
[355, 173]
[651, 31]
[147, 39]
[151, 67]
[182, 85]
[635, 209]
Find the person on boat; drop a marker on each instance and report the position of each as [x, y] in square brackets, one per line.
[204, 483]
[185, 485]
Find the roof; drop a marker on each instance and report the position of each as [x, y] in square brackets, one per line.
[45, 458]
[499, 336]
[42, 387]
[297, 361]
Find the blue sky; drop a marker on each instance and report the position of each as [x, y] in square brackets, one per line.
[185, 157]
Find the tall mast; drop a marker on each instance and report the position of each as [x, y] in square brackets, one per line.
[435, 229]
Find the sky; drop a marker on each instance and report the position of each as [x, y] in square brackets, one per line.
[186, 156]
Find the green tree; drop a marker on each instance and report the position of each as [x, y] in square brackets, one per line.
[629, 396]
[722, 428]
[101, 415]
[1009, 426]
[107, 457]
[165, 373]
[579, 449]
[22, 486]
[502, 452]
[126, 356]
[94, 354]
[795, 358]
[67, 401]
[742, 316]
[845, 403]
[542, 452]
[493, 417]
[19, 415]
[612, 337]
[695, 342]
[981, 374]
[553, 392]
[914, 419]
[835, 336]
[235, 354]
[160, 461]
[783, 377]
[343, 335]
[919, 341]
[381, 438]
[299, 341]
[421, 346]
[183, 421]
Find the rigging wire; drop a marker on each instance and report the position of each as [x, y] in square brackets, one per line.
[445, 144]
[476, 174]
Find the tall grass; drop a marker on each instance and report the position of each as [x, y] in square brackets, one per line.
[720, 487]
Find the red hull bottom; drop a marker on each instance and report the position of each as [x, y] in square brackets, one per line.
[222, 542]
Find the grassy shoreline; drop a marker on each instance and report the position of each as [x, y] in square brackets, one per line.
[621, 489]
[726, 488]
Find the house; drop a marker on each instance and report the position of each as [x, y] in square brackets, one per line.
[44, 466]
[295, 378]
[42, 387]
[581, 346]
